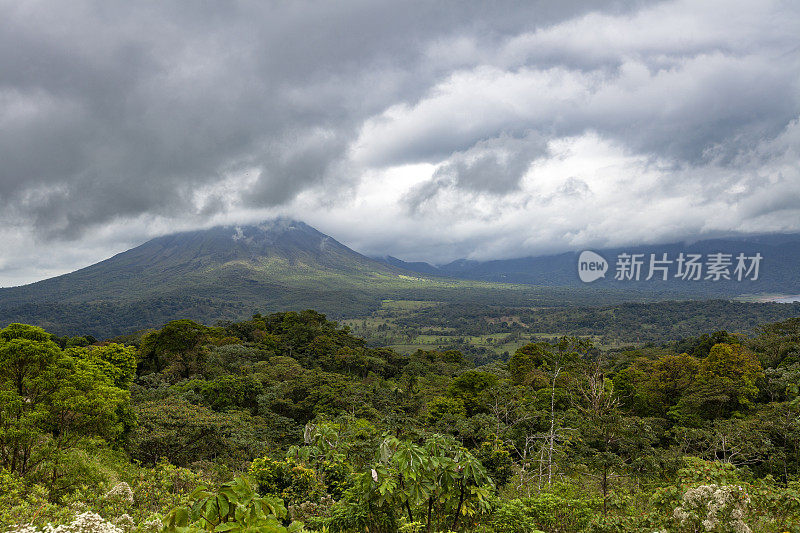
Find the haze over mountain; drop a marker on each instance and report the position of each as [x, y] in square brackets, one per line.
[230, 272]
[213, 258]
[223, 272]
[779, 270]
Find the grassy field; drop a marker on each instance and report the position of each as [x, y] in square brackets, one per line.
[382, 329]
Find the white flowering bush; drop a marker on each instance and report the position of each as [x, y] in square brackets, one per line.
[714, 508]
[154, 525]
[121, 493]
[120, 496]
[124, 522]
[83, 523]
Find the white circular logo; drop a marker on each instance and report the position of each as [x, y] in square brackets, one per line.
[591, 266]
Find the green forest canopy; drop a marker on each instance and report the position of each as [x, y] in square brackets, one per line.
[288, 421]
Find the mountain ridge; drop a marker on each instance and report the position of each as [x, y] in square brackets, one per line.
[186, 253]
[223, 272]
[779, 272]
[229, 272]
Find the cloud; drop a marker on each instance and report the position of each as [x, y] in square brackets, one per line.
[705, 103]
[424, 130]
[493, 165]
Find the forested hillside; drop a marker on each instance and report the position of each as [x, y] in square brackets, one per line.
[288, 422]
[229, 272]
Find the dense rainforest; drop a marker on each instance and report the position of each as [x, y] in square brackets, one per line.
[288, 422]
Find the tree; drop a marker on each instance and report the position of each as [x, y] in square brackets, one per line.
[652, 388]
[495, 457]
[726, 383]
[527, 361]
[50, 402]
[438, 483]
[778, 343]
[117, 361]
[445, 409]
[701, 346]
[542, 366]
[184, 433]
[468, 388]
[177, 348]
[599, 406]
[287, 479]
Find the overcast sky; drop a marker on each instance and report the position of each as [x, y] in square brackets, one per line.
[425, 130]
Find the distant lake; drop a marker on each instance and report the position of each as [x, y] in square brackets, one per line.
[787, 299]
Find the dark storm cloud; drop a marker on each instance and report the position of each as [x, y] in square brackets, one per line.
[118, 112]
[114, 109]
[492, 166]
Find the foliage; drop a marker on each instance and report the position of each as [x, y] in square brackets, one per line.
[725, 384]
[714, 508]
[184, 433]
[495, 456]
[292, 482]
[556, 510]
[348, 436]
[513, 516]
[445, 409]
[51, 402]
[235, 507]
